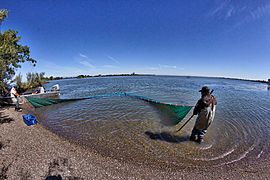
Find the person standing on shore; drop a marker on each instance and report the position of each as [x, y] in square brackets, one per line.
[205, 109]
[15, 98]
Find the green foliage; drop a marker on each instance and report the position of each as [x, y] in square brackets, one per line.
[21, 86]
[109, 75]
[52, 78]
[12, 54]
[18, 80]
[3, 15]
[83, 76]
[33, 80]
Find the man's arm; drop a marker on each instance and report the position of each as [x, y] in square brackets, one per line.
[198, 107]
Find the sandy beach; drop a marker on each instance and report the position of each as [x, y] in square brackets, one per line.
[36, 153]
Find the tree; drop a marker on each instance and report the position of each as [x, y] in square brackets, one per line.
[33, 80]
[3, 14]
[12, 54]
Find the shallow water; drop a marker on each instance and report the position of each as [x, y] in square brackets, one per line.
[132, 130]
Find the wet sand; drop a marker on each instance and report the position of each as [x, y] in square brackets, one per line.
[36, 153]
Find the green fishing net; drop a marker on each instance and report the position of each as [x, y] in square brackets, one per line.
[175, 113]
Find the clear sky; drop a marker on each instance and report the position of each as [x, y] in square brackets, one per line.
[169, 37]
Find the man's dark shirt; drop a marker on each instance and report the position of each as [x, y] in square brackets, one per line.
[205, 101]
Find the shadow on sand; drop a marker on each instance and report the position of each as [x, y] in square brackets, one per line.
[165, 136]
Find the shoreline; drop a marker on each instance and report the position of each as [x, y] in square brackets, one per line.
[157, 75]
[36, 153]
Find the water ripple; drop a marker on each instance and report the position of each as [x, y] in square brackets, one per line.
[130, 129]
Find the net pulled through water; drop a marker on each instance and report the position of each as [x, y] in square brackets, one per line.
[174, 113]
[171, 114]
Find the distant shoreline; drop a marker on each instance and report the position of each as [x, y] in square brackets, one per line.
[134, 74]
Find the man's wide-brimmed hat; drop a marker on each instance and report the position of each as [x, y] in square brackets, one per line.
[205, 89]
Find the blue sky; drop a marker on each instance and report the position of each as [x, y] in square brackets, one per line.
[203, 37]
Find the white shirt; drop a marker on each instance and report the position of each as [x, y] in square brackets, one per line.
[41, 89]
[13, 92]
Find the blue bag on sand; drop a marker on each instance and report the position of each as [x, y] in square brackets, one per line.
[29, 119]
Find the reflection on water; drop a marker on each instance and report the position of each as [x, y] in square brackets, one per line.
[133, 130]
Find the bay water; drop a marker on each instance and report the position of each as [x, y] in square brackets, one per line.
[133, 131]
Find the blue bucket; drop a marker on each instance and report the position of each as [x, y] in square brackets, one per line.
[29, 119]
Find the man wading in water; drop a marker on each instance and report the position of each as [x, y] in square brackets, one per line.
[205, 109]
